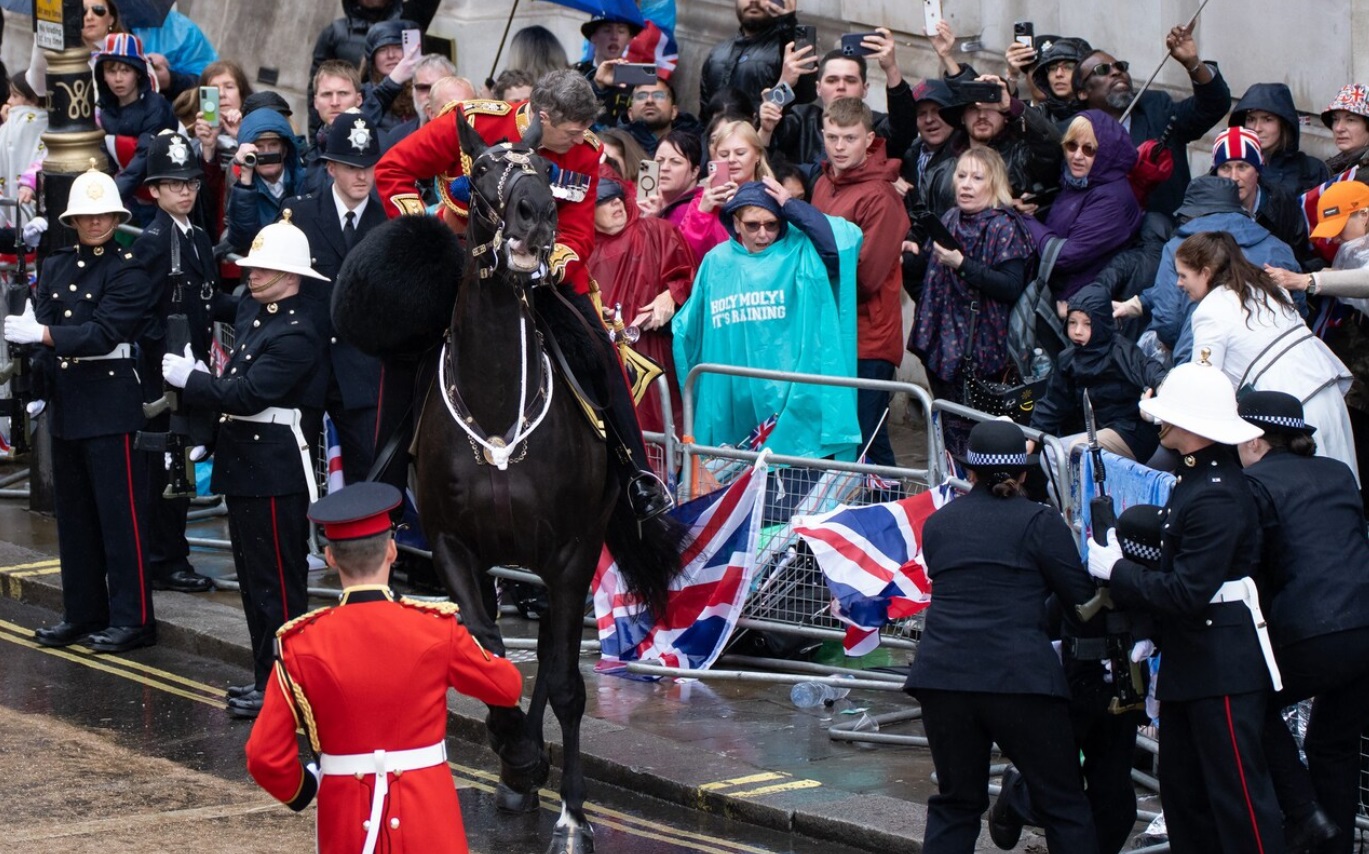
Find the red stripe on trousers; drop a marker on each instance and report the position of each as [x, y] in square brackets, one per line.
[380, 407]
[280, 565]
[1240, 769]
[137, 539]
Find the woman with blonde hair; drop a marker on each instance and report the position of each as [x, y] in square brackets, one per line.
[969, 291]
[736, 148]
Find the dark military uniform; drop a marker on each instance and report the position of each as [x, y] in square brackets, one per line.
[1315, 584]
[985, 670]
[1213, 683]
[349, 383]
[257, 461]
[95, 300]
[191, 293]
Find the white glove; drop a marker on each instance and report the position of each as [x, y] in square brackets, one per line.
[33, 230]
[1141, 650]
[1102, 558]
[197, 453]
[314, 772]
[35, 407]
[176, 369]
[24, 329]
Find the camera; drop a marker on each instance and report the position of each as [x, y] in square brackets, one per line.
[249, 160]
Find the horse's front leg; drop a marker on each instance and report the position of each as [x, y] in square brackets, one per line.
[559, 669]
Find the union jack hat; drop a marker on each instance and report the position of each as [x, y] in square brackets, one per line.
[1352, 98]
[1237, 143]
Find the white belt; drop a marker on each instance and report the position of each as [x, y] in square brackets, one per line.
[120, 351]
[1243, 590]
[381, 763]
[291, 419]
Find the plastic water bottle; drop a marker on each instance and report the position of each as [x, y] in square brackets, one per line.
[812, 695]
[1041, 365]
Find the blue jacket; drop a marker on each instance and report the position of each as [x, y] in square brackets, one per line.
[252, 208]
[1171, 309]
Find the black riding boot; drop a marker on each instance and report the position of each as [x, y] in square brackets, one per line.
[597, 368]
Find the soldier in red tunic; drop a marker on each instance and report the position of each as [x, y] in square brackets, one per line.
[367, 682]
[555, 121]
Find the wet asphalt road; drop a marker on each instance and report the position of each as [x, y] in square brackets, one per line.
[134, 752]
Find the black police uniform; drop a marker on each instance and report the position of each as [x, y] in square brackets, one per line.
[1314, 582]
[349, 383]
[191, 293]
[95, 301]
[258, 466]
[985, 669]
[1213, 682]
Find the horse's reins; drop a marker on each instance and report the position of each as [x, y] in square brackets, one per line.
[499, 450]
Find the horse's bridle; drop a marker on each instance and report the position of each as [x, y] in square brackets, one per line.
[517, 164]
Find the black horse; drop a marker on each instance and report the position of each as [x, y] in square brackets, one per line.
[510, 472]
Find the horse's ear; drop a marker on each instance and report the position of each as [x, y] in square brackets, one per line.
[472, 144]
[532, 138]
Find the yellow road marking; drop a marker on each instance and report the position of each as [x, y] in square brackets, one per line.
[742, 781]
[29, 573]
[791, 786]
[465, 776]
[9, 570]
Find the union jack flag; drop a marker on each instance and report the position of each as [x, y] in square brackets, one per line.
[759, 436]
[335, 479]
[1326, 248]
[705, 601]
[872, 559]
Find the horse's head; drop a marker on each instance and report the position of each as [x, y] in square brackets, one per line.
[512, 210]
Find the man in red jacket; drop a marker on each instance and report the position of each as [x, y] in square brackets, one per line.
[557, 117]
[367, 681]
[857, 185]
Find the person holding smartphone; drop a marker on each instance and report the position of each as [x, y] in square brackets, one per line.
[767, 27]
[387, 92]
[735, 157]
[609, 35]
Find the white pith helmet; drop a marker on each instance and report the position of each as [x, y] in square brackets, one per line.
[92, 193]
[1199, 398]
[282, 247]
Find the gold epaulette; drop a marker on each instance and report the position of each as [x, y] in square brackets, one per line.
[593, 140]
[301, 621]
[561, 256]
[485, 107]
[522, 118]
[445, 609]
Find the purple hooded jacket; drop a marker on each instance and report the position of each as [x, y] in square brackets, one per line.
[1098, 219]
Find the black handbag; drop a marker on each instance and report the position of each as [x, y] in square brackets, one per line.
[1006, 394]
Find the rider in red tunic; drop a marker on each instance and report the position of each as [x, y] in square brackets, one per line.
[372, 675]
[557, 117]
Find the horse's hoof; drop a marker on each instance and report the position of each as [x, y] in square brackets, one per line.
[566, 839]
[529, 776]
[507, 800]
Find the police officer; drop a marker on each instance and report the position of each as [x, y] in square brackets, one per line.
[1314, 581]
[178, 257]
[335, 219]
[985, 670]
[336, 675]
[93, 301]
[261, 459]
[1106, 736]
[1217, 667]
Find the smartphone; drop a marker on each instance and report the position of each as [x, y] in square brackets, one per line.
[781, 94]
[851, 44]
[209, 103]
[805, 36]
[718, 174]
[634, 74]
[1024, 33]
[648, 179]
[931, 15]
[975, 91]
[412, 41]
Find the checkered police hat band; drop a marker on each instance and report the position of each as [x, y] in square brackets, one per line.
[1139, 551]
[976, 459]
[1287, 422]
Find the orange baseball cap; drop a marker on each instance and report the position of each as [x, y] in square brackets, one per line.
[1336, 204]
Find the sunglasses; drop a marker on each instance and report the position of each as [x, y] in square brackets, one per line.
[753, 227]
[98, 11]
[423, 87]
[1089, 149]
[1103, 69]
[655, 96]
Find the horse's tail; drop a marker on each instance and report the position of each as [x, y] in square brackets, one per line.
[648, 553]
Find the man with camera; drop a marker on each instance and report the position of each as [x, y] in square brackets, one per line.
[795, 130]
[756, 56]
[269, 172]
[610, 34]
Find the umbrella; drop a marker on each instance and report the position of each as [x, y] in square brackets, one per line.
[133, 13]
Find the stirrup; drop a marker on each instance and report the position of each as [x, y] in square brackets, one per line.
[647, 496]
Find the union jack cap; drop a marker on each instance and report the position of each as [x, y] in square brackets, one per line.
[1237, 143]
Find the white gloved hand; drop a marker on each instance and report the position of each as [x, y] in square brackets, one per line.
[24, 328]
[166, 461]
[35, 407]
[1141, 650]
[33, 230]
[176, 369]
[1103, 558]
[199, 452]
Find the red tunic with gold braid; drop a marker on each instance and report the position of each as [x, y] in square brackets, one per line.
[372, 674]
[434, 151]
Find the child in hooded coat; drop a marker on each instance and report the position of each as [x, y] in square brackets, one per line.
[1115, 373]
[130, 126]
